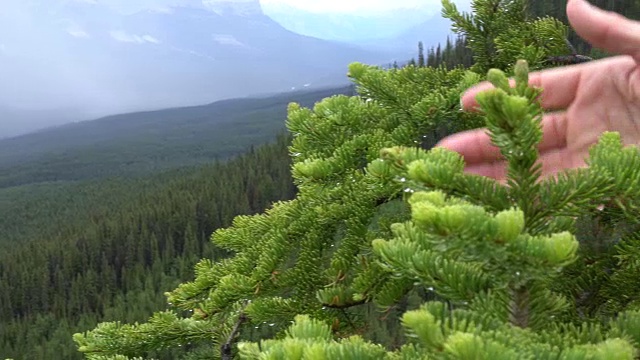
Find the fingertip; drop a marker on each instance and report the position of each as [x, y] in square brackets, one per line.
[468, 99]
[474, 145]
[571, 4]
[452, 142]
[604, 29]
[575, 8]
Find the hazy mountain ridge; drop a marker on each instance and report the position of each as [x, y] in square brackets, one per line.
[236, 7]
[431, 33]
[352, 27]
[144, 142]
[110, 62]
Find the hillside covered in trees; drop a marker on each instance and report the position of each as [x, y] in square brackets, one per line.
[115, 262]
[144, 143]
[77, 250]
[99, 219]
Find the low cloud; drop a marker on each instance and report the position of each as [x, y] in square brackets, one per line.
[227, 40]
[77, 32]
[122, 36]
[193, 53]
[362, 7]
[162, 10]
[151, 39]
[355, 6]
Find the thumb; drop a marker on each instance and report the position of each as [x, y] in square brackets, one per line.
[605, 29]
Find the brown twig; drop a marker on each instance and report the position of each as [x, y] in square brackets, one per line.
[226, 349]
[574, 58]
[346, 305]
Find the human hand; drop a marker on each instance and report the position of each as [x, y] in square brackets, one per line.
[580, 101]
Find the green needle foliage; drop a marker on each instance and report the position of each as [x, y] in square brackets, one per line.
[501, 270]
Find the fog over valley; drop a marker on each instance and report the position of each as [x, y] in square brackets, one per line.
[70, 60]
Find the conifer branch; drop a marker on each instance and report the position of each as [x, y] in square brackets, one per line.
[226, 349]
[573, 58]
[519, 312]
[345, 305]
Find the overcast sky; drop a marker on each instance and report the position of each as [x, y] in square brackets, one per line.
[39, 41]
[319, 6]
[355, 6]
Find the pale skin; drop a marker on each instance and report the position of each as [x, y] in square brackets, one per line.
[580, 101]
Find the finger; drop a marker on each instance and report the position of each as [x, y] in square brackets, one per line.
[468, 99]
[496, 170]
[552, 162]
[554, 131]
[559, 160]
[605, 29]
[474, 145]
[559, 85]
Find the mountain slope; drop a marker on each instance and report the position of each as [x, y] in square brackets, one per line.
[144, 142]
[107, 250]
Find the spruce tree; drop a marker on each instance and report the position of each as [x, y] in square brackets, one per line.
[421, 59]
[501, 271]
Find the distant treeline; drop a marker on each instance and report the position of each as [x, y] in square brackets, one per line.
[455, 52]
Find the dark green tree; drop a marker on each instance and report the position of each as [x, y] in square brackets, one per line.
[421, 60]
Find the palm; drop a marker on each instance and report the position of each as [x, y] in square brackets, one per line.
[606, 100]
[581, 101]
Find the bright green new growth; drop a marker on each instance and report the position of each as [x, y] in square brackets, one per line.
[498, 269]
[494, 271]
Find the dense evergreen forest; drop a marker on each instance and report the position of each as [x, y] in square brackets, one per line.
[116, 261]
[100, 231]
